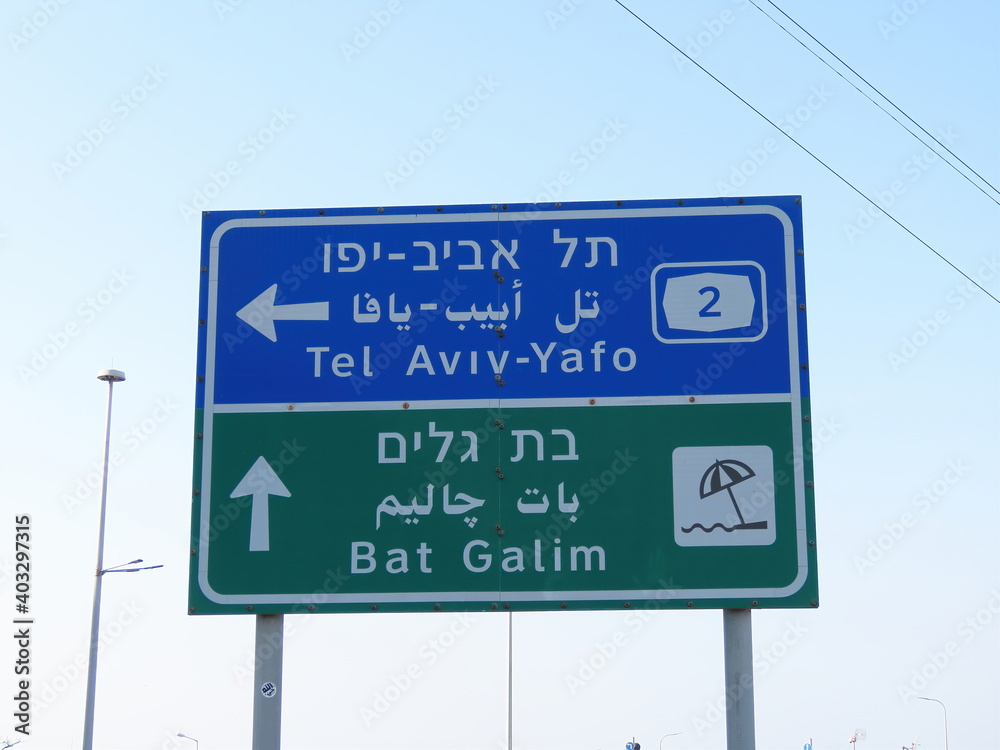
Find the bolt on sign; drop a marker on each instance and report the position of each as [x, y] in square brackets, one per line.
[529, 407]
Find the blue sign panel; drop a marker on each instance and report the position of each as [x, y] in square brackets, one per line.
[590, 300]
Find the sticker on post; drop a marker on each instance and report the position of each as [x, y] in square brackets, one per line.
[268, 689]
[724, 496]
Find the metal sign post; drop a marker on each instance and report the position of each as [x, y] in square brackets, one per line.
[738, 644]
[268, 687]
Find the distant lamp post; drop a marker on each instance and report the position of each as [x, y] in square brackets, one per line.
[110, 377]
[945, 718]
[189, 738]
[672, 734]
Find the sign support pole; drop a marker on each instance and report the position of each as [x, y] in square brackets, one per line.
[510, 680]
[268, 647]
[738, 644]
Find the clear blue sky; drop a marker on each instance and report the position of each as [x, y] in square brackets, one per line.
[124, 120]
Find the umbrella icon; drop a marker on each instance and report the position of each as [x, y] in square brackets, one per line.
[725, 474]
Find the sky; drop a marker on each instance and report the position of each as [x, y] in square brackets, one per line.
[127, 119]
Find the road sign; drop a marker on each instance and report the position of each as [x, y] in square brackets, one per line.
[565, 406]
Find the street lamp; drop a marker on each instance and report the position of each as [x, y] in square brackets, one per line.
[189, 738]
[110, 377]
[672, 734]
[945, 718]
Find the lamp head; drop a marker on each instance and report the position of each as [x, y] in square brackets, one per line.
[111, 376]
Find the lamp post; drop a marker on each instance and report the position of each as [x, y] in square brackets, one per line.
[945, 718]
[189, 738]
[110, 377]
[672, 734]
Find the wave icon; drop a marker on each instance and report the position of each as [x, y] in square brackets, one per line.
[727, 529]
[710, 529]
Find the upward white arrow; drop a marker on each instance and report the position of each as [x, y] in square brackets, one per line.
[260, 482]
[261, 313]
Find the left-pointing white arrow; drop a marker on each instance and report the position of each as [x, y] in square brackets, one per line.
[260, 482]
[261, 313]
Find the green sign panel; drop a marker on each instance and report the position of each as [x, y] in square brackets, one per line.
[643, 462]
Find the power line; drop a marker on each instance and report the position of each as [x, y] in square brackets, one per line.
[830, 169]
[877, 104]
